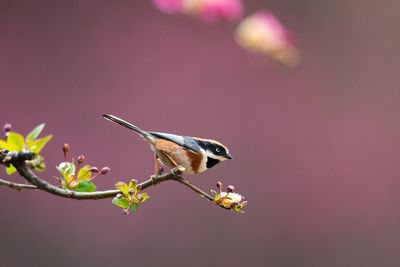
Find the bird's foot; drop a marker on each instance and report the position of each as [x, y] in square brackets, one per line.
[160, 171]
[178, 170]
[156, 175]
[154, 179]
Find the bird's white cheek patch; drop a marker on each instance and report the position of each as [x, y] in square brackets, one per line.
[203, 163]
[211, 155]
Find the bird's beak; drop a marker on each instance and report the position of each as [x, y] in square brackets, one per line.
[228, 156]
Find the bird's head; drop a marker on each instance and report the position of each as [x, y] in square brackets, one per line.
[215, 151]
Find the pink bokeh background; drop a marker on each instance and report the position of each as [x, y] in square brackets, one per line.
[316, 150]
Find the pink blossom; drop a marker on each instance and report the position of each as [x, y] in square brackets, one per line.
[206, 10]
[169, 6]
[262, 32]
[214, 10]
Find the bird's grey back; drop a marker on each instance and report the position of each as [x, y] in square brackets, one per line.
[185, 141]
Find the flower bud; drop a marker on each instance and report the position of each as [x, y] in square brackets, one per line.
[81, 159]
[94, 170]
[7, 127]
[66, 148]
[230, 188]
[219, 185]
[104, 170]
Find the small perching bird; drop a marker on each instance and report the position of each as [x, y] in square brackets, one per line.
[194, 154]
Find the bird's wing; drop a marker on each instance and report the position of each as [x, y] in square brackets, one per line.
[185, 141]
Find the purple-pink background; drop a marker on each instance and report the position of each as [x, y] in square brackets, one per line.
[316, 150]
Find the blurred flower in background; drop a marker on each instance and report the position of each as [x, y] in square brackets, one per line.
[206, 10]
[168, 6]
[214, 10]
[262, 32]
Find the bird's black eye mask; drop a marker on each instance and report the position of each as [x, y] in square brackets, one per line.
[219, 150]
[216, 149]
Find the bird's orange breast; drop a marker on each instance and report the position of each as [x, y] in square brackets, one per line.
[189, 160]
[196, 159]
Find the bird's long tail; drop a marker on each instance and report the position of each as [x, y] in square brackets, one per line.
[128, 125]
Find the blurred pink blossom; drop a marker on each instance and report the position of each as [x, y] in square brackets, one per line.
[214, 10]
[262, 32]
[169, 6]
[206, 10]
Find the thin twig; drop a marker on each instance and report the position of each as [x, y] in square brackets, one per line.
[195, 188]
[17, 186]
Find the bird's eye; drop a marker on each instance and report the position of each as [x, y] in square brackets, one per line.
[218, 149]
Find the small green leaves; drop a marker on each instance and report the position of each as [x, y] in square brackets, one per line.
[35, 132]
[85, 186]
[10, 170]
[80, 180]
[5, 145]
[85, 173]
[66, 168]
[143, 197]
[37, 145]
[16, 142]
[123, 187]
[129, 198]
[134, 207]
[120, 202]
[124, 204]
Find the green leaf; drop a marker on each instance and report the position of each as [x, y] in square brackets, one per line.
[84, 173]
[16, 141]
[41, 166]
[120, 202]
[238, 208]
[123, 187]
[5, 145]
[37, 163]
[35, 133]
[66, 169]
[133, 185]
[134, 207]
[37, 145]
[10, 170]
[213, 193]
[85, 186]
[143, 197]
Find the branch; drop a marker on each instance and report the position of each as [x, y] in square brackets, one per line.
[18, 160]
[195, 188]
[17, 186]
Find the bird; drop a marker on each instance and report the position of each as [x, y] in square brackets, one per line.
[189, 154]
